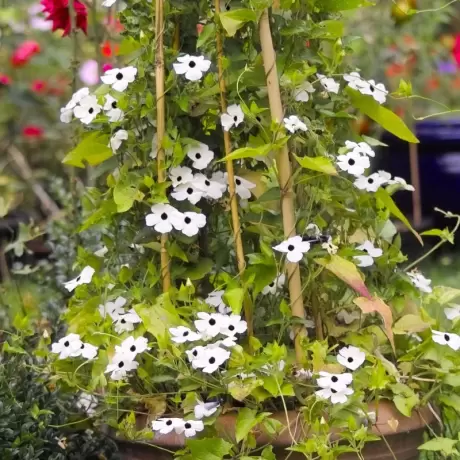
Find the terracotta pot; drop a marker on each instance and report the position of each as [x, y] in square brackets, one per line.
[403, 442]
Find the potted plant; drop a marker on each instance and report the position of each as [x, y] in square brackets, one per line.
[251, 298]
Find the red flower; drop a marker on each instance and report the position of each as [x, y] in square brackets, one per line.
[5, 80]
[32, 132]
[38, 86]
[456, 50]
[108, 50]
[58, 12]
[24, 52]
[199, 28]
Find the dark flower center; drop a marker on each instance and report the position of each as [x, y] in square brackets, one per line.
[190, 190]
[121, 364]
[290, 247]
[271, 284]
[188, 426]
[237, 182]
[192, 64]
[372, 88]
[194, 353]
[67, 343]
[212, 360]
[231, 327]
[198, 156]
[334, 379]
[179, 178]
[119, 76]
[235, 118]
[133, 348]
[169, 422]
[78, 279]
[164, 216]
[187, 220]
[333, 391]
[212, 321]
[370, 181]
[91, 110]
[350, 359]
[258, 119]
[351, 162]
[123, 321]
[114, 104]
[446, 337]
[82, 346]
[185, 334]
[207, 183]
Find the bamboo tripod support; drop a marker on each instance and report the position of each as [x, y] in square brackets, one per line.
[160, 100]
[284, 176]
[231, 175]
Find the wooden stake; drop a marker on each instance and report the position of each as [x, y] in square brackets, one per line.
[415, 181]
[231, 175]
[284, 176]
[161, 114]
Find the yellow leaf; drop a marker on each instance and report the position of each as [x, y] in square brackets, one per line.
[393, 424]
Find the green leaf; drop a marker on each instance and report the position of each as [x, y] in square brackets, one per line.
[327, 29]
[444, 445]
[234, 299]
[209, 448]
[410, 324]
[233, 20]
[125, 195]
[207, 34]
[199, 271]
[249, 152]
[384, 117]
[174, 250]
[7, 348]
[245, 422]
[93, 149]
[321, 164]
[341, 5]
[451, 400]
[405, 405]
[127, 46]
[388, 202]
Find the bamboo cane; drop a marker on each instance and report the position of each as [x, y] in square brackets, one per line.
[231, 175]
[284, 176]
[415, 181]
[160, 99]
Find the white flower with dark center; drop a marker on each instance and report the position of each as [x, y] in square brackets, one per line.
[376, 90]
[137, 247]
[329, 84]
[330, 247]
[336, 396]
[351, 357]
[164, 218]
[243, 187]
[120, 365]
[87, 403]
[108, 3]
[119, 79]
[215, 299]
[372, 253]
[232, 118]
[180, 175]
[203, 409]
[101, 252]
[294, 123]
[192, 223]
[228, 342]
[84, 277]
[385, 176]
[294, 247]
[195, 353]
[67, 346]
[87, 110]
[444, 338]
[369, 183]
[188, 192]
[419, 281]
[313, 230]
[191, 427]
[88, 351]
[355, 81]
[276, 285]
[116, 140]
[113, 309]
[221, 177]
[401, 183]
[67, 111]
[210, 359]
[183, 334]
[126, 322]
[200, 155]
[132, 347]
[353, 163]
[302, 93]
[166, 425]
[211, 189]
[452, 312]
[211, 324]
[234, 325]
[362, 147]
[193, 67]
[336, 381]
[111, 109]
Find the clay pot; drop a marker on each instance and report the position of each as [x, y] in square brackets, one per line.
[404, 440]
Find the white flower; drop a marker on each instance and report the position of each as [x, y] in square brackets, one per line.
[108, 3]
[336, 396]
[87, 403]
[234, 325]
[112, 110]
[116, 140]
[200, 155]
[164, 217]
[351, 357]
[66, 115]
[293, 124]
[295, 248]
[228, 342]
[303, 374]
[88, 351]
[119, 79]
[336, 381]
[221, 177]
[353, 163]
[313, 230]
[195, 353]
[84, 277]
[453, 312]
[402, 183]
[215, 299]
[369, 183]
[372, 252]
[276, 285]
[330, 247]
[183, 334]
[210, 325]
[203, 409]
[444, 338]
[67, 346]
[137, 247]
[120, 365]
[193, 67]
[329, 84]
[210, 359]
[132, 347]
[87, 110]
[419, 281]
[211, 188]
[180, 175]
[113, 309]
[126, 322]
[362, 147]
[232, 118]
[243, 187]
[101, 252]
[190, 428]
[187, 192]
[355, 80]
[192, 223]
[67, 111]
[302, 93]
[376, 90]
[166, 425]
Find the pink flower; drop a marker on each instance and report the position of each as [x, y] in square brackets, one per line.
[32, 132]
[89, 73]
[38, 86]
[5, 80]
[24, 52]
[107, 67]
[59, 14]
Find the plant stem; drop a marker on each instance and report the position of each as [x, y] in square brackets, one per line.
[236, 226]
[284, 177]
[161, 113]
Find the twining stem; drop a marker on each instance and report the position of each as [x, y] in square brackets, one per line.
[230, 173]
[284, 177]
[161, 114]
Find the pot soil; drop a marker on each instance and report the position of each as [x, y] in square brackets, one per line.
[403, 435]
